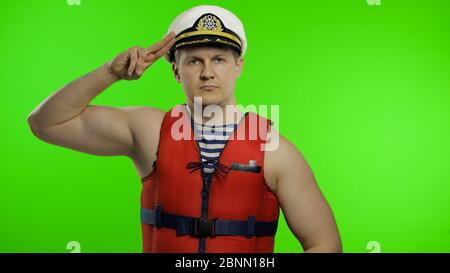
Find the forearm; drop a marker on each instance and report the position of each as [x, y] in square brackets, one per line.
[72, 99]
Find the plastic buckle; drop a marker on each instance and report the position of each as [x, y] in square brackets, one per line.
[203, 227]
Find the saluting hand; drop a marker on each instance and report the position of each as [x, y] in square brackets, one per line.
[131, 64]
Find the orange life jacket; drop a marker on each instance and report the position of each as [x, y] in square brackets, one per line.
[184, 209]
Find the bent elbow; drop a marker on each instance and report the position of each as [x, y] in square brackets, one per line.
[329, 247]
[35, 129]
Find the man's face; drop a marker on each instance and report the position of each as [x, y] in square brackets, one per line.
[198, 67]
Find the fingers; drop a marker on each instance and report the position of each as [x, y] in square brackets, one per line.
[133, 60]
[161, 44]
[141, 65]
[138, 62]
[141, 58]
[153, 56]
[164, 50]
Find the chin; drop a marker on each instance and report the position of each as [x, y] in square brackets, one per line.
[216, 97]
[210, 98]
[210, 101]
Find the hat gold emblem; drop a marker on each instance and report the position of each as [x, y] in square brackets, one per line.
[209, 22]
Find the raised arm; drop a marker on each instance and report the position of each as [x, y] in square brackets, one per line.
[66, 119]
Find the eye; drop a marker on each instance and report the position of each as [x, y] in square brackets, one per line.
[219, 60]
[193, 61]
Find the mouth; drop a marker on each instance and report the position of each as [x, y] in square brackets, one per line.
[208, 87]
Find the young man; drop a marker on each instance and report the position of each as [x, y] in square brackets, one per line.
[209, 191]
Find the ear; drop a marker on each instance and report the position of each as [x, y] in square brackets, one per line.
[239, 66]
[175, 72]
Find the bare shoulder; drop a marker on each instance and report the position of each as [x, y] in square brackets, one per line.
[281, 157]
[143, 117]
[145, 124]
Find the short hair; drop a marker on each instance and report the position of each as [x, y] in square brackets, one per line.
[234, 50]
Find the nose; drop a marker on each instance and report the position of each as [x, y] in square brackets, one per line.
[207, 72]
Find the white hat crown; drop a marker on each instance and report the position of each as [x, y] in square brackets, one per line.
[188, 18]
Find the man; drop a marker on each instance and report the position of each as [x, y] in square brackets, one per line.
[209, 192]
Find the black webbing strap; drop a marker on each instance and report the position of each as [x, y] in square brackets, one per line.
[202, 227]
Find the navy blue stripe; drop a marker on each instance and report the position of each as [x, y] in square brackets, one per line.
[215, 129]
[231, 125]
[212, 141]
[207, 150]
[216, 133]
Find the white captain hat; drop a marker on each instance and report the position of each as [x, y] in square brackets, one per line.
[207, 25]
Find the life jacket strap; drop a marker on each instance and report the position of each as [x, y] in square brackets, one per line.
[203, 227]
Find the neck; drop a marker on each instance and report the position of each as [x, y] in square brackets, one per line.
[215, 114]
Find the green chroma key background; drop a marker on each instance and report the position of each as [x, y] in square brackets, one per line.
[364, 93]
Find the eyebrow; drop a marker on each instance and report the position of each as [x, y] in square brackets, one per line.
[196, 57]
